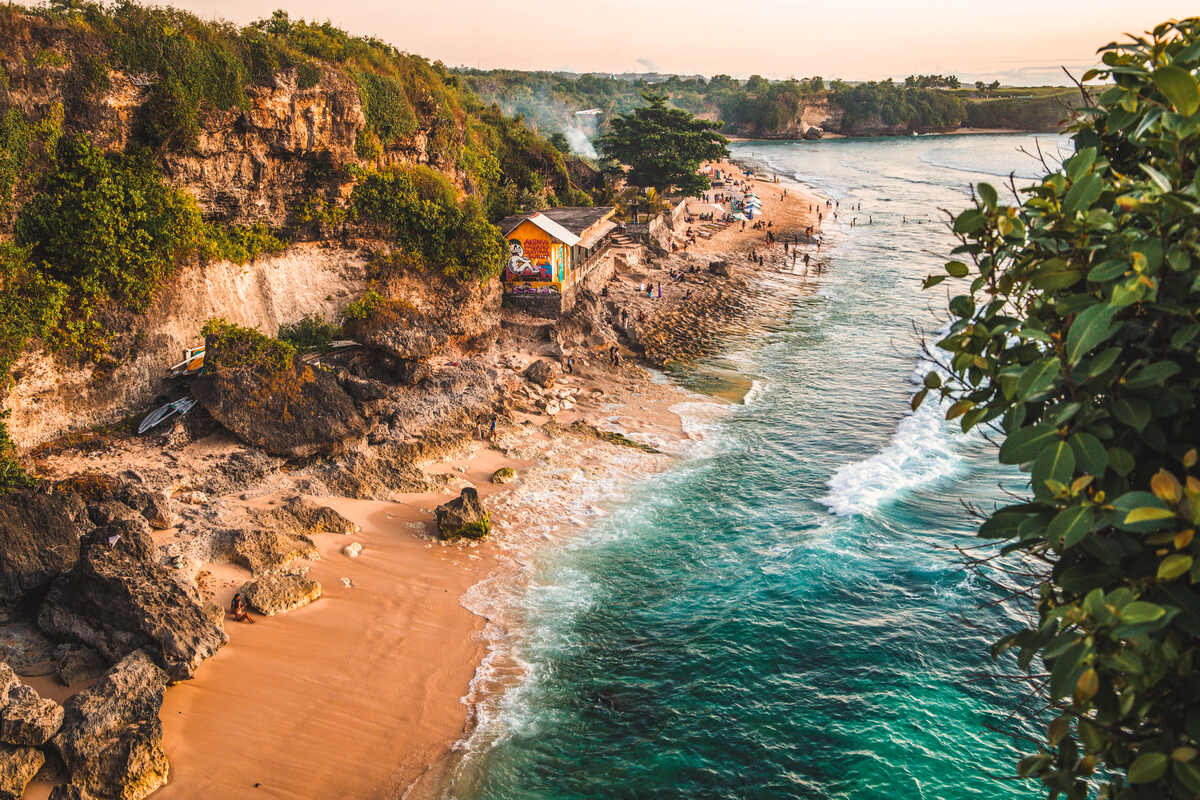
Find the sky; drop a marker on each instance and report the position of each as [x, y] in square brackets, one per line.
[1014, 41]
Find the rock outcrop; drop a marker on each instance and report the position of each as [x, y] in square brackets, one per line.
[18, 766]
[74, 663]
[39, 537]
[281, 592]
[96, 488]
[119, 599]
[111, 737]
[26, 718]
[300, 516]
[543, 372]
[463, 517]
[297, 413]
[263, 551]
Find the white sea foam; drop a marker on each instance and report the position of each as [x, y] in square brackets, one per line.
[757, 387]
[923, 449]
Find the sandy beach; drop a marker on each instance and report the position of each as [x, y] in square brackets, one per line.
[372, 691]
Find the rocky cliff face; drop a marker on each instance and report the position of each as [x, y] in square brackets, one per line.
[50, 397]
[813, 113]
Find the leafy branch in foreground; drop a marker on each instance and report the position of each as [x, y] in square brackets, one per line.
[1076, 338]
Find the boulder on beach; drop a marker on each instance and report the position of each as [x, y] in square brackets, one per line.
[18, 766]
[26, 718]
[75, 663]
[98, 489]
[543, 372]
[463, 517]
[301, 516]
[813, 133]
[281, 592]
[262, 551]
[39, 536]
[504, 475]
[257, 389]
[119, 598]
[111, 737]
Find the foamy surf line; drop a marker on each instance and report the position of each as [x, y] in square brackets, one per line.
[565, 493]
[923, 449]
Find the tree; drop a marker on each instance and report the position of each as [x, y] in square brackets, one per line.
[558, 140]
[663, 147]
[1075, 342]
[980, 85]
[994, 85]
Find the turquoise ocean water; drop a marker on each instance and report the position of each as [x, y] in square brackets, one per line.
[779, 616]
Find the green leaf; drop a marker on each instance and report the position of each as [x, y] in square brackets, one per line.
[1173, 566]
[1160, 181]
[1180, 88]
[1083, 194]
[1147, 768]
[1152, 374]
[1038, 377]
[1080, 163]
[1103, 361]
[1026, 443]
[1055, 463]
[1091, 327]
[1069, 527]
[957, 269]
[1139, 611]
[1089, 453]
[969, 221]
[1147, 514]
[988, 193]
[1107, 270]
[932, 280]
[1133, 411]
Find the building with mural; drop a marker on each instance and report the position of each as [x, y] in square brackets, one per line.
[555, 252]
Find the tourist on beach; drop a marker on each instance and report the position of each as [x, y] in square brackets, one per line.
[806, 261]
[240, 609]
[492, 428]
[570, 365]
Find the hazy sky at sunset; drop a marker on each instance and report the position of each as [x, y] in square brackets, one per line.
[1015, 40]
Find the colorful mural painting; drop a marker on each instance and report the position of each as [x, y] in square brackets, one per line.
[522, 265]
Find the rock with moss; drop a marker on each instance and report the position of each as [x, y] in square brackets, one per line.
[463, 517]
[256, 388]
[279, 593]
[504, 475]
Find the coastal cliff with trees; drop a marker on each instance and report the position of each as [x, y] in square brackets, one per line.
[784, 109]
[146, 154]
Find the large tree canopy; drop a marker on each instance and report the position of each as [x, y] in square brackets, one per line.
[1076, 340]
[663, 147]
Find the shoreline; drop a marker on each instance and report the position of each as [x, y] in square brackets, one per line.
[828, 135]
[378, 688]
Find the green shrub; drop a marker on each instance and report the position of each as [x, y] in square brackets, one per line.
[308, 75]
[12, 474]
[420, 209]
[108, 229]
[1075, 339]
[239, 244]
[388, 111]
[229, 347]
[363, 307]
[312, 333]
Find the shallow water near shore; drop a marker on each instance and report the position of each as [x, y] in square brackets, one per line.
[780, 615]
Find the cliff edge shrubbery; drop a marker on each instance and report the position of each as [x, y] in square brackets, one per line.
[1075, 334]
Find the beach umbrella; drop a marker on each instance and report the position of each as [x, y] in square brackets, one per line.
[739, 216]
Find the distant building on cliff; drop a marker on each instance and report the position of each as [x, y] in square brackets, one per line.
[552, 253]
